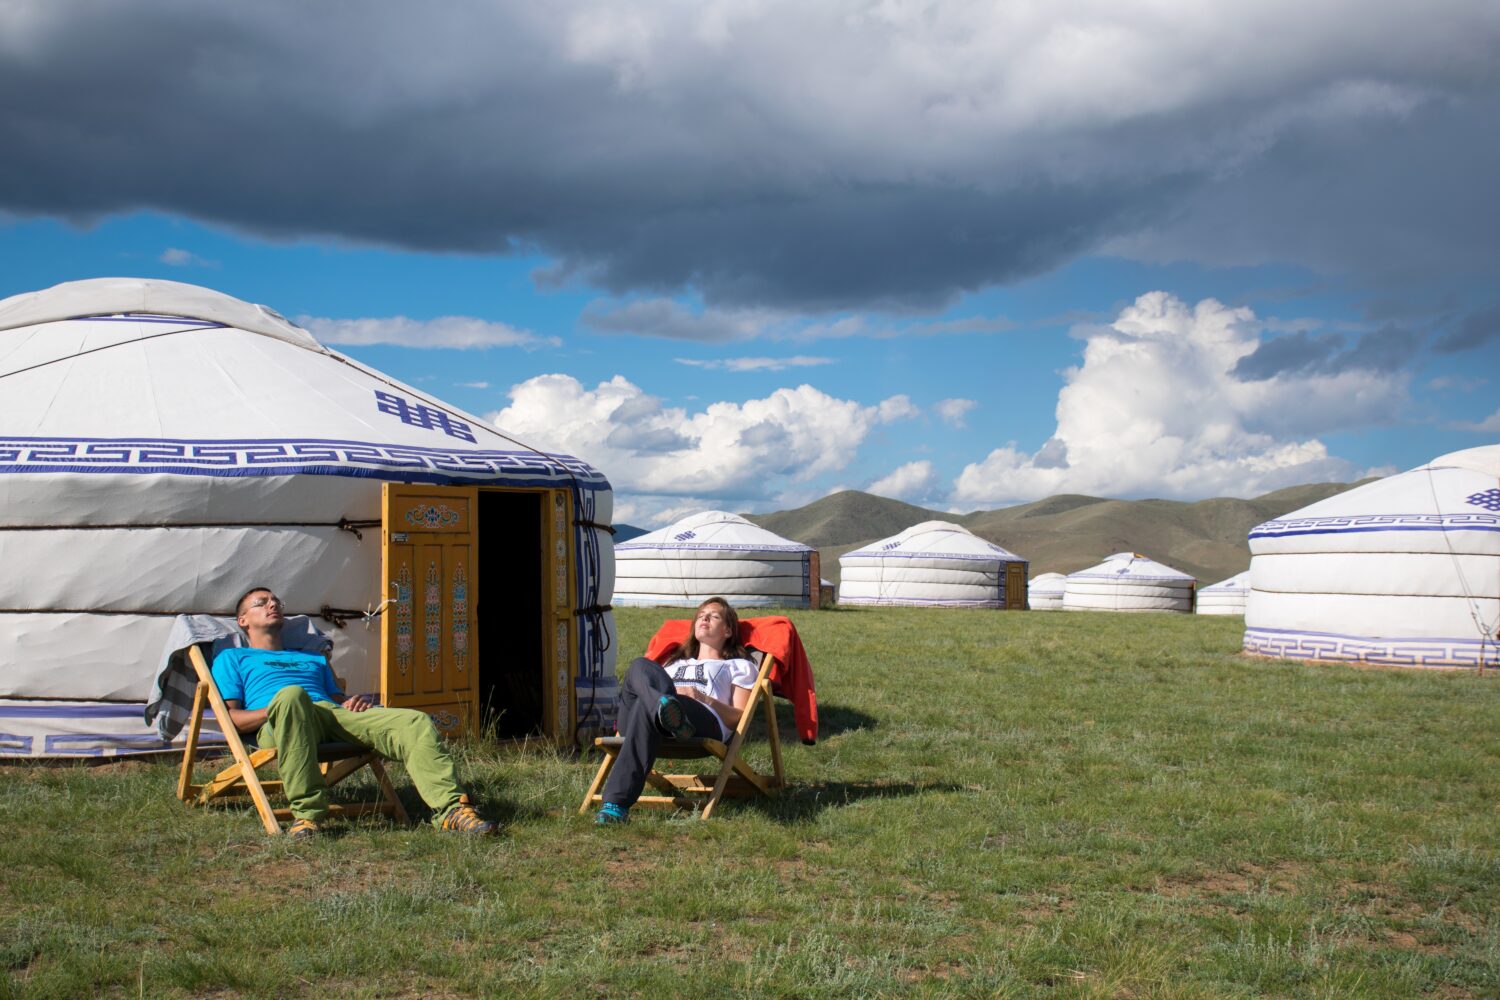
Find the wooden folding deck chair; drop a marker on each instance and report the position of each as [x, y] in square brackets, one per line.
[337, 761]
[734, 777]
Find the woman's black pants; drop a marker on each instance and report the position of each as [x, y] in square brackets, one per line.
[640, 695]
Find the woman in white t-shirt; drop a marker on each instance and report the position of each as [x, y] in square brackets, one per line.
[702, 691]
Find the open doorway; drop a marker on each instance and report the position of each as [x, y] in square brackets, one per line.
[508, 617]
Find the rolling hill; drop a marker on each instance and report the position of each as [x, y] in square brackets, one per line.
[1061, 534]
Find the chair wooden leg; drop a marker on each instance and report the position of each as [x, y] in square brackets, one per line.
[263, 805]
[335, 771]
[225, 781]
[773, 736]
[190, 748]
[605, 766]
[247, 764]
[671, 791]
[731, 756]
[236, 747]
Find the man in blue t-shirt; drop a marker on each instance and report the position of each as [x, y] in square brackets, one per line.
[291, 701]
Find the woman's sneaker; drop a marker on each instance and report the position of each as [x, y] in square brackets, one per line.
[303, 829]
[612, 814]
[463, 818]
[672, 720]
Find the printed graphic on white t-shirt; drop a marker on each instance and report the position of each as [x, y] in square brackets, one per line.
[716, 678]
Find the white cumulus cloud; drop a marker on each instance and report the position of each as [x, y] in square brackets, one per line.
[912, 481]
[177, 257]
[953, 411]
[1489, 425]
[726, 449]
[897, 408]
[1156, 409]
[461, 332]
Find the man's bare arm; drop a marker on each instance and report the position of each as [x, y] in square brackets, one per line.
[243, 719]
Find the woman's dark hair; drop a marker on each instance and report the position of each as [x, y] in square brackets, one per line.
[733, 648]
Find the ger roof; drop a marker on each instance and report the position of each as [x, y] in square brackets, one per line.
[709, 530]
[97, 297]
[1408, 492]
[1236, 583]
[1129, 566]
[1456, 491]
[1047, 582]
[131, 375]
[934, 539]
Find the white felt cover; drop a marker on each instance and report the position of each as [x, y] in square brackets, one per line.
[1227, 597]
[1405, 570]
[934, 563]
[1045, 592]
[713, 553]
[1129, 581]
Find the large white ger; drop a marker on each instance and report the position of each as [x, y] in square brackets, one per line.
[1128, 581]
[1045, 592]
[714, 553]
[933, 564]
[164, 447]
[1227, 597]
[1402, 571]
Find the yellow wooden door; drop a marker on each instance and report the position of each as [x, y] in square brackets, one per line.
[428, 657]
[1015, 586]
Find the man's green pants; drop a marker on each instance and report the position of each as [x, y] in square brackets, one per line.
[295, 725]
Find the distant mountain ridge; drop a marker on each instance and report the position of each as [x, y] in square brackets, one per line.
[1064, 533]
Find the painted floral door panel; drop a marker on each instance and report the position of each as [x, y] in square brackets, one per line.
[427, 658]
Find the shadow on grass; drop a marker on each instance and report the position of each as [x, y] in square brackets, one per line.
[833, 719]
[505, 811]
[802, 800]
[487, 794]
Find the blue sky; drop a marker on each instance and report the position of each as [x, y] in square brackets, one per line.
[743, 254]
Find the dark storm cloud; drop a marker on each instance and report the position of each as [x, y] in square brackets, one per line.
[1397, 200]
[1386, 350]
[779, 156]
[665, 318]
[1472, 331]
[1291, 354]
[1389, 349]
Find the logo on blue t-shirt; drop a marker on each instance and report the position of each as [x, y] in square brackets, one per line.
[252, 677]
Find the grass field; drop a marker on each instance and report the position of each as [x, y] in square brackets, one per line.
[1001, 805]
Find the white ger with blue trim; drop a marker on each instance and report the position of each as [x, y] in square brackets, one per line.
[163, 447]
[1402, 571]
[1227, 597]
[715, 553]
[934, 564]
[1129, 581]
